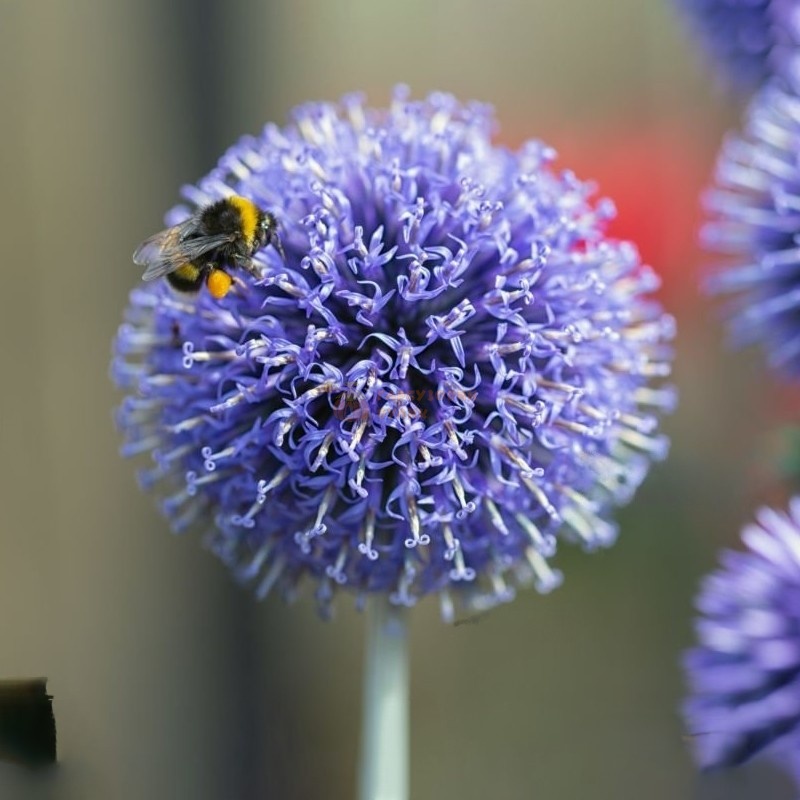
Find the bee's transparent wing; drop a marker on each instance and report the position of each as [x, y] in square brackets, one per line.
[160, 254]
[170, 249]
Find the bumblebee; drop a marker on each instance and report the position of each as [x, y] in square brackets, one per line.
[220, 236]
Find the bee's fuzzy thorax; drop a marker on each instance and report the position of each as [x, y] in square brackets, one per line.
[249, 215]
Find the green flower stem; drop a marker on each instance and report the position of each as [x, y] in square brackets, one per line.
[384, 771]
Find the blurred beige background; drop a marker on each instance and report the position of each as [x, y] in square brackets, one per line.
[171, 682]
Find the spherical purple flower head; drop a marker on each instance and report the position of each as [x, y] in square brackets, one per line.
[755, 223]
[745, 674]
[451, 369]
[747, 39]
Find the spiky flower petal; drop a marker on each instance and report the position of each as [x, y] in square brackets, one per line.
[453, 368]
[745, 673]
[755, 223]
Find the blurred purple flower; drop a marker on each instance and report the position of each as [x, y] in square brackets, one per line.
[755, 210]
[745, 38]
[745, 674]
[453, 368]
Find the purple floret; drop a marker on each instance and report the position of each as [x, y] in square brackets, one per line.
[746, 39]
[744, 675]
[755, 225]
[452, 370]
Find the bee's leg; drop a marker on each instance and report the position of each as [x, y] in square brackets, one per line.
[248, 265]
[236, 281]
[275, 241]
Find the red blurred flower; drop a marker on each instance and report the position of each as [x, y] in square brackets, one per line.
[654, 174]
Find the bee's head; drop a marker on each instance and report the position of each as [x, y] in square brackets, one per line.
[268, 232]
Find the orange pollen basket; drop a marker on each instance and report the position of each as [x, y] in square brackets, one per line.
[219, 283]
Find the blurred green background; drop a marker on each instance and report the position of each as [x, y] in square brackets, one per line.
[169, 680]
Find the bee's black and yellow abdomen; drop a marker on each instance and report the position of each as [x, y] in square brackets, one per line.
[188, 278]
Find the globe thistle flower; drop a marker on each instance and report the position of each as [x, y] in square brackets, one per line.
[745, 38]
[452, 369]
[744, 675]
[755, 223]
